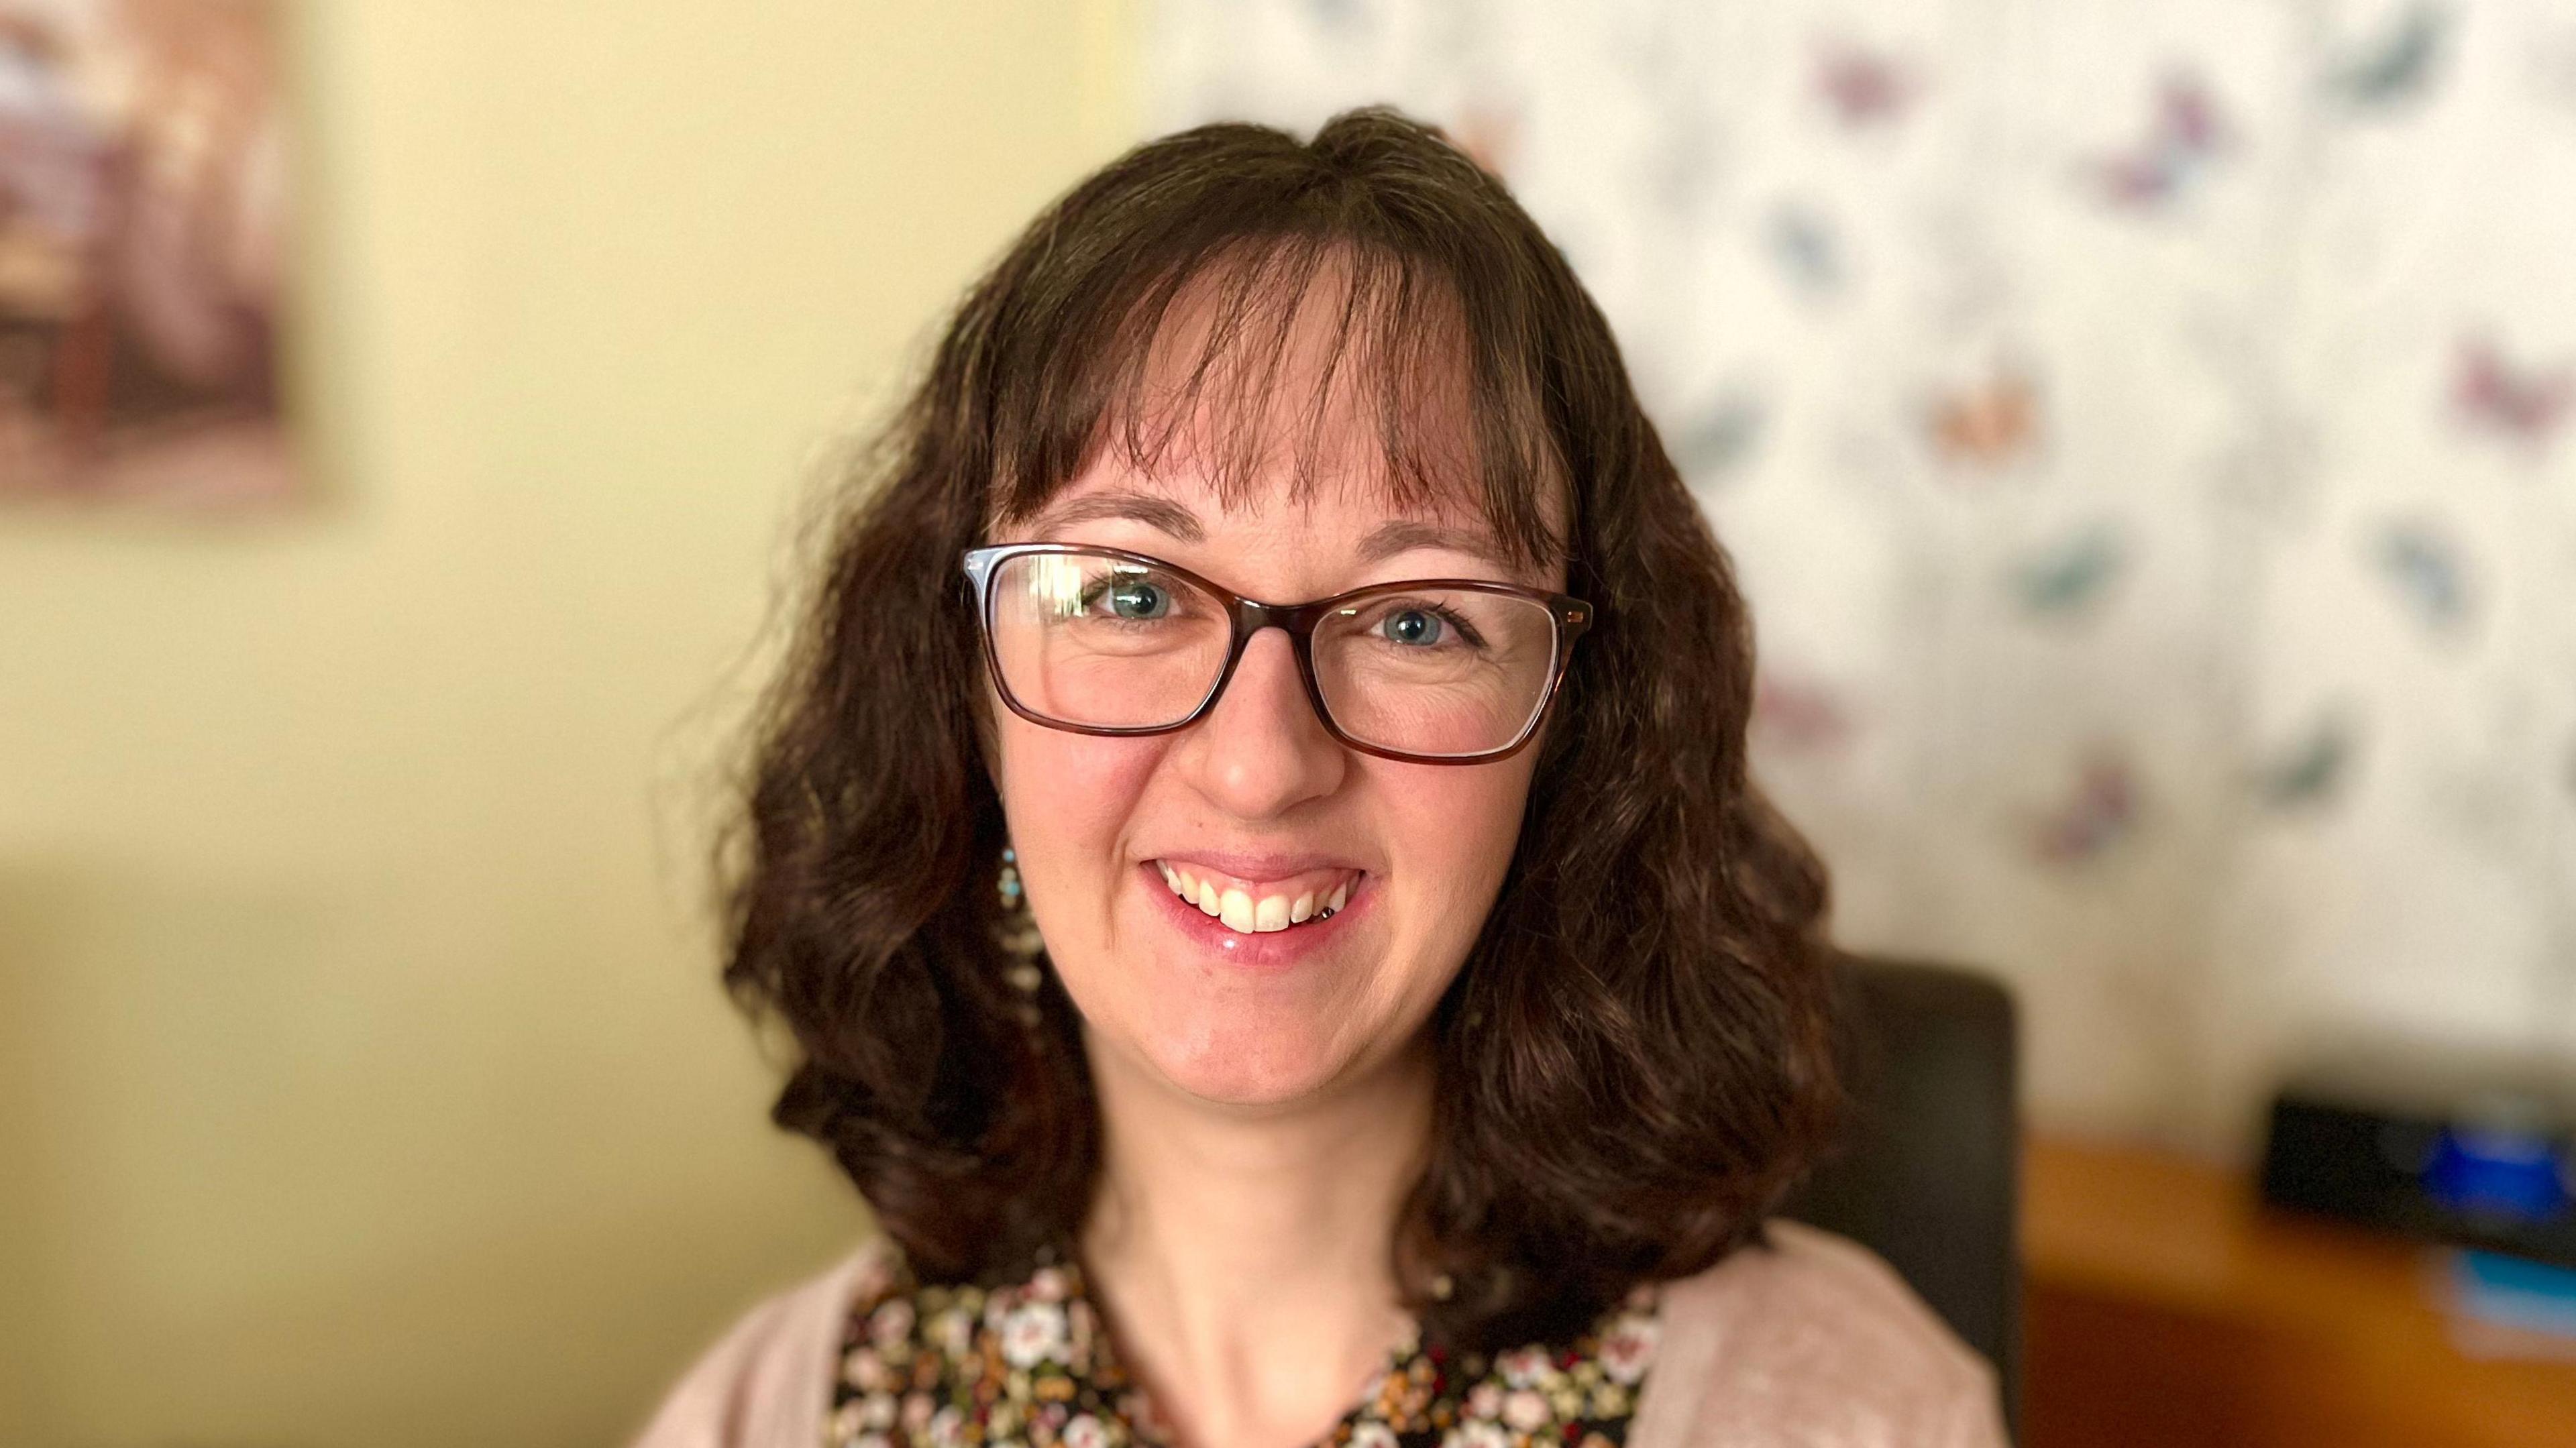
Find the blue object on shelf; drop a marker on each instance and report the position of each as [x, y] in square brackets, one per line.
[2515, 1291]
[2509, 1174]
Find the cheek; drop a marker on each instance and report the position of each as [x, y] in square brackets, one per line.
[1067, 799]
[1455, 830]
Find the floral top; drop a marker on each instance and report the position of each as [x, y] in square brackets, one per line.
[1030, 1364]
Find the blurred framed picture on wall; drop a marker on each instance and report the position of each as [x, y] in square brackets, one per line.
[143, 222]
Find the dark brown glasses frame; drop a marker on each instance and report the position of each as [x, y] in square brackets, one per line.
[1568, 616]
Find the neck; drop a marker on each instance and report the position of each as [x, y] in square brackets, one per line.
[1243, 1256]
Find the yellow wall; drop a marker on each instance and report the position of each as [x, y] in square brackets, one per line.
[362, 1074]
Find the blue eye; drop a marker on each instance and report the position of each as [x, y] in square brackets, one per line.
[1137, 599]
[1416, 626]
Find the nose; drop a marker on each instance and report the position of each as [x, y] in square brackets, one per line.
[1261, 751]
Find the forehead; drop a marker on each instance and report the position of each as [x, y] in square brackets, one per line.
[1368, 526]
[1289, 389]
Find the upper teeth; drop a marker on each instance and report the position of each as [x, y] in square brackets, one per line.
[1241, 911]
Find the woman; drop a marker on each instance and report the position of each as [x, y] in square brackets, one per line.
[1384, 1013]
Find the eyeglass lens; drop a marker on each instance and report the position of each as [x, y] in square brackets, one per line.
[1104, 642]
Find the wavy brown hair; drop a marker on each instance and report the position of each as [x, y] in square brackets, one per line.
[1634, 1061]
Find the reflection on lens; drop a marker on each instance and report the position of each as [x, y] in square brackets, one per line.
[1104, 642]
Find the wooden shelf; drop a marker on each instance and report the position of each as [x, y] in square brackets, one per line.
[2166, 1306]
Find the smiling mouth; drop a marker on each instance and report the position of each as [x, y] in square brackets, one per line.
[1262, 908]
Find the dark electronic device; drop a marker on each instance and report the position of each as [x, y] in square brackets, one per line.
[2475, 1152]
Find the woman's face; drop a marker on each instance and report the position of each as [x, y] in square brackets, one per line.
[1257, 797]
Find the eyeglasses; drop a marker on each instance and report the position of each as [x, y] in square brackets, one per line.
[1433, 670]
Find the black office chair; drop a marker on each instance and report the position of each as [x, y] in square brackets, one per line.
[1928, 1174]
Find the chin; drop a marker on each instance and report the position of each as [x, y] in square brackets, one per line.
[1235, 1062]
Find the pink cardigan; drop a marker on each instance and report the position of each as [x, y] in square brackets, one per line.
[1816, 1343]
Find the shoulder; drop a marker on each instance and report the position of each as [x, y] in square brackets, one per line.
[768, 1379]
[1810, 1339]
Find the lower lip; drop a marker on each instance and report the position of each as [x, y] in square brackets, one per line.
[1262, 949]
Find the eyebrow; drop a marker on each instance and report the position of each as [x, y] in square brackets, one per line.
[1405, 534]
[1387, 540]
[1153, 512]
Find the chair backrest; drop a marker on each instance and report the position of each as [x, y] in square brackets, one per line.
[1928, 1175]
